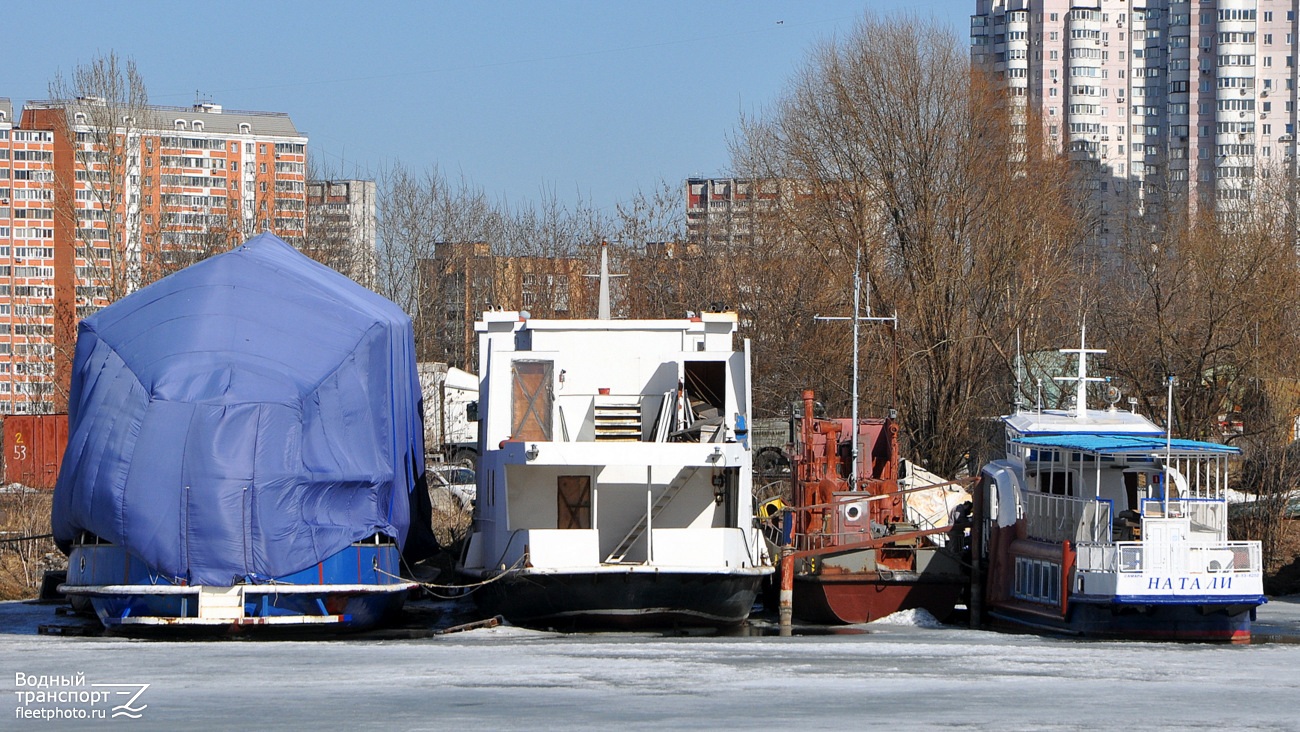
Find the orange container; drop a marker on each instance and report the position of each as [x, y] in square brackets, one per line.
[33, 448]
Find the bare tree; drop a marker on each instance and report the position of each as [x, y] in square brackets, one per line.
[1208, 299]
[890, 150]
[107, 107]
[417, 215]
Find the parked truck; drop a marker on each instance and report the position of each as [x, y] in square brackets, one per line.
[450, 414]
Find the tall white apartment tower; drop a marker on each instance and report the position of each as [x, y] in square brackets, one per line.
[1172, 102]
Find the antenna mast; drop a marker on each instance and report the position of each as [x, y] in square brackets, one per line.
[1081, 386]
[857, 319]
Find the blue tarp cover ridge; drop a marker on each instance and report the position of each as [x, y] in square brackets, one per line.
[246, 417]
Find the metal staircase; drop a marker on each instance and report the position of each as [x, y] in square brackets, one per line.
[683, 477]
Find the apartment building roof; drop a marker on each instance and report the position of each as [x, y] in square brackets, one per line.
[211, 118]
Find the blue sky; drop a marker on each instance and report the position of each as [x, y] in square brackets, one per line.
[590, 100]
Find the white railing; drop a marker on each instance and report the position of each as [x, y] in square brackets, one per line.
[1063, 518]
[1133, 557]
[1208, 516]
[1090, 557]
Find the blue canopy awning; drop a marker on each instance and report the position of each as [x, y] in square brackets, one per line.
[1126, 445]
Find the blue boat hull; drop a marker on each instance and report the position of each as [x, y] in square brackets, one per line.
[1219, 621]
[354, 589]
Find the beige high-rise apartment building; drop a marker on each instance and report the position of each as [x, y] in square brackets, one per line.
[1187, 103]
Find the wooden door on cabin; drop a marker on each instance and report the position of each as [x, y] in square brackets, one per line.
[531, 401]
[573, 502]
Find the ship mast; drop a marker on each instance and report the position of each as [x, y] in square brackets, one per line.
[857, 318]
[602, 307]
[1081, 385]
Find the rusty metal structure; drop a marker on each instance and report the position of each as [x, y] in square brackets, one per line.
[855, 555]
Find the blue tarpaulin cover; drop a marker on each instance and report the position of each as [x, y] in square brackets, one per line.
[246, 417]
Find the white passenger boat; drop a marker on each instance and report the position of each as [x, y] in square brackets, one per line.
[614, 485]
[1098, 523]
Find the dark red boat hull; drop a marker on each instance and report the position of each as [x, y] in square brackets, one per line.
[864, 597]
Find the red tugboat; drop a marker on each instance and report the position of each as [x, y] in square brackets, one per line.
[857, 557]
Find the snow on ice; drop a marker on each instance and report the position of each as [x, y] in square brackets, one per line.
[905, 672]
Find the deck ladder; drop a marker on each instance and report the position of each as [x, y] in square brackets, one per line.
[683, 477]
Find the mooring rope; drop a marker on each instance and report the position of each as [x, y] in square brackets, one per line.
[429, 587]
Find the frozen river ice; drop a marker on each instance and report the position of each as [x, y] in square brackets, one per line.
[895, 676]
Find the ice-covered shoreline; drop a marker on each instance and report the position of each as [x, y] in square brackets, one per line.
[906, 675]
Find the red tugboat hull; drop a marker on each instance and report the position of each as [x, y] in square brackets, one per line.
[862, 598]
[857, 556]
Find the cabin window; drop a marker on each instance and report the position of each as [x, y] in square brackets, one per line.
[1038, 581]
[1056, 482]
[531, 401]
[573, 502]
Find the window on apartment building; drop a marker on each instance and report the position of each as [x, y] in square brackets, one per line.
[1267, 129]
[1054, 55]
[1054, 17]
[264, 188]
[262, 168]
[1268, 16]
[234, 166]
[261, 149]
[1268, 39]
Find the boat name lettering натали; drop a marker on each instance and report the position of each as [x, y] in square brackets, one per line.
[1189, 583]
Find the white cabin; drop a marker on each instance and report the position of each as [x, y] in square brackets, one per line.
[613, 446]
